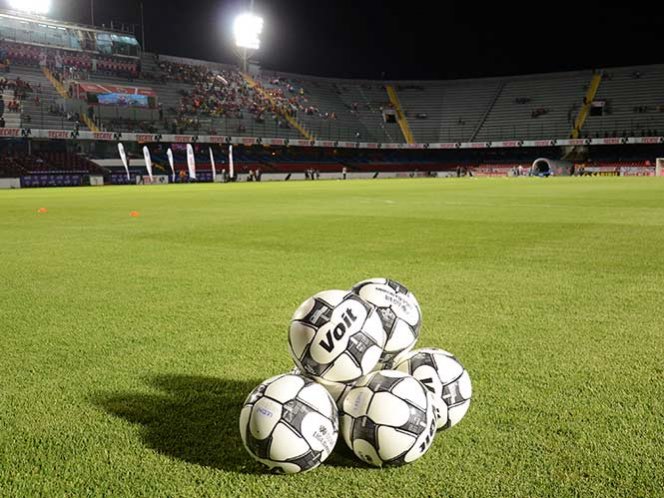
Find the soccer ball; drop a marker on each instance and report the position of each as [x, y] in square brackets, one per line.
[399, 311]
[442, 374]
[336, 336]
[289, 423]
[336, 389]
[388, 419]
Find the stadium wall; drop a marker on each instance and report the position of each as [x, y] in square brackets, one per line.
[145, 138]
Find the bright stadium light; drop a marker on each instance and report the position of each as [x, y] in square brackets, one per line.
[32, 6]
[247, 29]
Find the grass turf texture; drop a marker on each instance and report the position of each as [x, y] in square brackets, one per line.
[129, 344]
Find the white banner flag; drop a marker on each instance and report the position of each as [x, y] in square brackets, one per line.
[231, 166]
[169, 153]
[148, 162]
[191, 162]
[214, 168]
[123, 156]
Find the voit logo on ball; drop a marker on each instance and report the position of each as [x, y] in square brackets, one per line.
[338, 333]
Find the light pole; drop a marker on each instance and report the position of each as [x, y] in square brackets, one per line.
[247, 30]
[92, 12]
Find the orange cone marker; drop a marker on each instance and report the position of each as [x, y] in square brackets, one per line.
[42, 210]
[134, 214]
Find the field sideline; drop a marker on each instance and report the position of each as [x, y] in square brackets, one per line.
[127, 345]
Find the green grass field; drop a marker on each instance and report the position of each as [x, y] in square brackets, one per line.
[127, 345]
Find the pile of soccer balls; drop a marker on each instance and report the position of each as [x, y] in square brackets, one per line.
[355, 368]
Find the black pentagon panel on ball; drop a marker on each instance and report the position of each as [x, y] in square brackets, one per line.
[452, 394]
[358, 345]
[307, 461]
[259, 447]
[293, 414]
[398, 461]
[397, 287]
[364, 428]
[381, 383]
[422, 360]
[320, 314]
[256, 394]
[312, 367]
[388, 317]
[417, 421]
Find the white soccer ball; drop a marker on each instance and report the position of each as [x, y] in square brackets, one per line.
[445, 377]
[336, 336]
[398, 310]
[290, 424]
[388, 419]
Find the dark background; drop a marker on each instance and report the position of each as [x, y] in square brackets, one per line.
[374, 38]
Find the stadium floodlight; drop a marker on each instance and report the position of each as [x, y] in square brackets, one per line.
[247, 29]
[31, 6]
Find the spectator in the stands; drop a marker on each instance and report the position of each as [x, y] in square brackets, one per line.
[2, 122]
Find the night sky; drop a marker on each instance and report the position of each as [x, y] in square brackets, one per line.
[400, 40]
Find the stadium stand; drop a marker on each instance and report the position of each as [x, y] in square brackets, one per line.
[60, 78]
[536, 107]
[203, 97]
[446, 111]
[632, 103]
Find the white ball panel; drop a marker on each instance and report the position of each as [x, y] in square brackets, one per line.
[366, 453]
[286, 444]
[343, 370]
[387, 409]
[332, 297]
[457, 412]
[404, 306]
[393, 443]
[320, 433]
[264, 417]
[245, 414]
[299, 337]
[285, 388]
[465, 386]
[448, 368]
[316, 395]
[392, 374]
[428, 376]
[411, 390]
[370, 359]
[441, 412]
[304, 309]
[402, 338]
